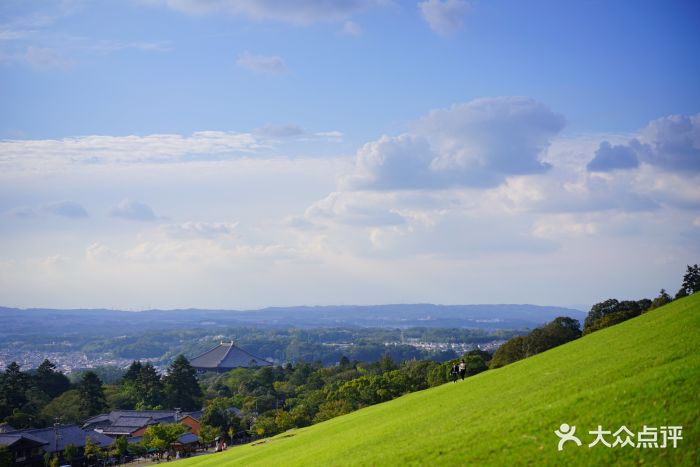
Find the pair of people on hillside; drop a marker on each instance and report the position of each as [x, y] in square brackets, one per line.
[458, 370]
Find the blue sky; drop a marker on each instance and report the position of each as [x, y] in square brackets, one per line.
[240, 153]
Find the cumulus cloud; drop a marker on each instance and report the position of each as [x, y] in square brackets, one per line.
[266, 64]
[394, 163]
[609, 157]
[671, 143]
[69, 209]
[287, 11]
[133, 210]
[444, 16]
[352, 209]
[478, 143]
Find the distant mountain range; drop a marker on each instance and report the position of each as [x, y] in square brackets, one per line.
[116, 322]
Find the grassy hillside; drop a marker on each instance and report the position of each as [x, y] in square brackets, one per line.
[645, 371]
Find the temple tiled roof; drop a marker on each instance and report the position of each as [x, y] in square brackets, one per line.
[9, 439]
[227, 356]
[124, 422]
[58, 438]
[188, 438]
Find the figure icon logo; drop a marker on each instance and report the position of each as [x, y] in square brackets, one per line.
[566, 434]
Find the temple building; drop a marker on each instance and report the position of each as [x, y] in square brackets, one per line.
[226, 356]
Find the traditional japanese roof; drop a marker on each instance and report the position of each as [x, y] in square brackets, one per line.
[187, 438]
[227, 356]
[10, 439]
[57, 439]
[118, 430]
[97, 420]
[197, 414]
[133, 422]
[125, 422]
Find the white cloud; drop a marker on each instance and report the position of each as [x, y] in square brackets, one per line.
[609, 157]
[671, 143]
[287, 11]
[391, 163]
[133, 210]
[95, 149]
[201, 146]
[45, 50]
[565, 225]
[405, 219]
[354, 209]
[478, 143]
[444, 16]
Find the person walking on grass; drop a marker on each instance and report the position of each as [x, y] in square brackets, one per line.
[462, 369]
[454, 372]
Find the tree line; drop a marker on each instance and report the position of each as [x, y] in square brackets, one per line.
[36, 398]
[601, 315]
[276, 399]
[268, 400]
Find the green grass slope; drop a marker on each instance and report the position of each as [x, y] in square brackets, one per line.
[645, 371]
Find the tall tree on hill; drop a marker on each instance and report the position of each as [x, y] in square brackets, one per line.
[92, 396]
[691, 281]
[52, 382]
[663, 299]
[612, 312]
[149, 387]
[132, 373]
[181, 387]
[13, 389]
[218, 415]
[600, 310]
